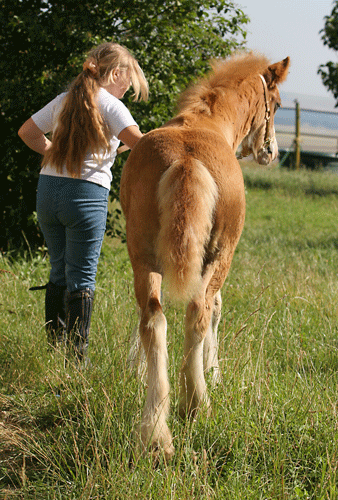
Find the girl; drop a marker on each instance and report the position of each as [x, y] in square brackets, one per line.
[87, 124]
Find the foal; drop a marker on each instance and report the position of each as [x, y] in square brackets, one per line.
[182, 194]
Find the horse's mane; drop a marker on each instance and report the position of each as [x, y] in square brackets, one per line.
[225, 74]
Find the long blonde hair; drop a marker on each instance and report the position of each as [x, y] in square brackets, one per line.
[80, 126]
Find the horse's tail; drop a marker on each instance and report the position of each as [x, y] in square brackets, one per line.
[187, 197]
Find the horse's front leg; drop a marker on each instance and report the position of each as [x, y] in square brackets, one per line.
[154, 431]
[193, 387]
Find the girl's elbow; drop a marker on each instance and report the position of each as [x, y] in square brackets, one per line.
[22, 133]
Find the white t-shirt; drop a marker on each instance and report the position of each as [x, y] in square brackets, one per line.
[115, 114]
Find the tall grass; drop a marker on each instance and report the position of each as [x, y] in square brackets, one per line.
[272, 434]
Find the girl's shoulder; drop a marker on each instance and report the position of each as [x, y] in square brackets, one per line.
[115, 113]
[105, 99]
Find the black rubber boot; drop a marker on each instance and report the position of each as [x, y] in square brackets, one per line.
[55, 313]
[79, 306]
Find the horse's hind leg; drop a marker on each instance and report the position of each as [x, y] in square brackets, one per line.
[154, 431]
[210, 347]
[136, 357]
[193, 388]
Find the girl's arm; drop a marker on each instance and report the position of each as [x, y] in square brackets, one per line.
[129, 136]
[122, 149]
[33, 137]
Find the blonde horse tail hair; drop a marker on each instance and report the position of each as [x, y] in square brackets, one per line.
[187, 196]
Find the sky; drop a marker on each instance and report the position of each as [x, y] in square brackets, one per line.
[280, 28]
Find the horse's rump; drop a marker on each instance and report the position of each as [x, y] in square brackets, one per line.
[187, 196]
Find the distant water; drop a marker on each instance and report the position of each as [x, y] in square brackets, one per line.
[322, 122]
[311, 120]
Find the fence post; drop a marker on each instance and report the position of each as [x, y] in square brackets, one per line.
[297, 138]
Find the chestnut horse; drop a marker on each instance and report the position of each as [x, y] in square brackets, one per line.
[182, 194]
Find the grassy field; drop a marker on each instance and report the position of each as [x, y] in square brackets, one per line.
[273, 430]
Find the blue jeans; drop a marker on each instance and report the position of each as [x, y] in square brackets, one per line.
[72, 214]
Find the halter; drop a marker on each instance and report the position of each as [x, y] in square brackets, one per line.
[267, 138]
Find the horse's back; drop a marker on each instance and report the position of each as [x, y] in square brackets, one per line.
[160, 148]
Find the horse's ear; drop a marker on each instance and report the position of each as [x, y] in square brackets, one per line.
[277, 73]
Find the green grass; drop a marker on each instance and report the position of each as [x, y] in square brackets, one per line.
[273, 429]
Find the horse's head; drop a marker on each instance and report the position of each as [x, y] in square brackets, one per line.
[261, 139]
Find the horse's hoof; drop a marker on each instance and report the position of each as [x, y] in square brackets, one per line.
[167, 451]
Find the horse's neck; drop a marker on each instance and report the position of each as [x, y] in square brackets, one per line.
[232, 119]
[237, 118]
[233, 126]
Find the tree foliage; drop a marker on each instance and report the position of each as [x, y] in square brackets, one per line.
[43, 46]
[329, 71]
